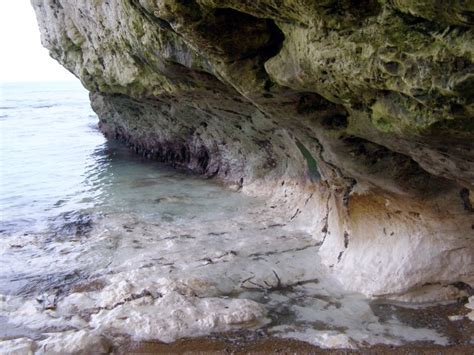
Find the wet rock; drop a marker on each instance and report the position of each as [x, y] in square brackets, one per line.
[73, 342]
[17, 346]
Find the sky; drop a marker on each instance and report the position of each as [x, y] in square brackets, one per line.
[22, 58]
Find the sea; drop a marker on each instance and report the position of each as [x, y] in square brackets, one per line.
[99, 243]
[56, 166]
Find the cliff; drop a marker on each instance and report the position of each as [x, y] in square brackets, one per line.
[356, 117]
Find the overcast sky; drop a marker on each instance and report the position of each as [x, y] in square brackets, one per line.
[22, 58]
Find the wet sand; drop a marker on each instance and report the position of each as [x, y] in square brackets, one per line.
[208, 345]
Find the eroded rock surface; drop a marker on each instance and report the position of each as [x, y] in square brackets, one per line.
[356, 116]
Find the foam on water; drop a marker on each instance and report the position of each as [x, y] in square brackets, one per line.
[98, 243]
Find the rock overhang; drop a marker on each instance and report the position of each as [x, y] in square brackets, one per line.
[368, 104]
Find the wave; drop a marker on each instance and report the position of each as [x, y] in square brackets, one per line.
[43, 106]
[30, 106]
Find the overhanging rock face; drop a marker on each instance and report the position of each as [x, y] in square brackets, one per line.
[355, 116]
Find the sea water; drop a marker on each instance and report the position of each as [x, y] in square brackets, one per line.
[98, 243]
[56, 165]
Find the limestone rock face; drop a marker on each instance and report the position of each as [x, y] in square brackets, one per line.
[355, 116]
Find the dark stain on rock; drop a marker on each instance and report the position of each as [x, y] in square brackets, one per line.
[340, 256]
[310, 102]
[464, 194]
[392, 68]
[335, 122]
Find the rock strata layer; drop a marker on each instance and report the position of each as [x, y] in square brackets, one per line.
[356, 117]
